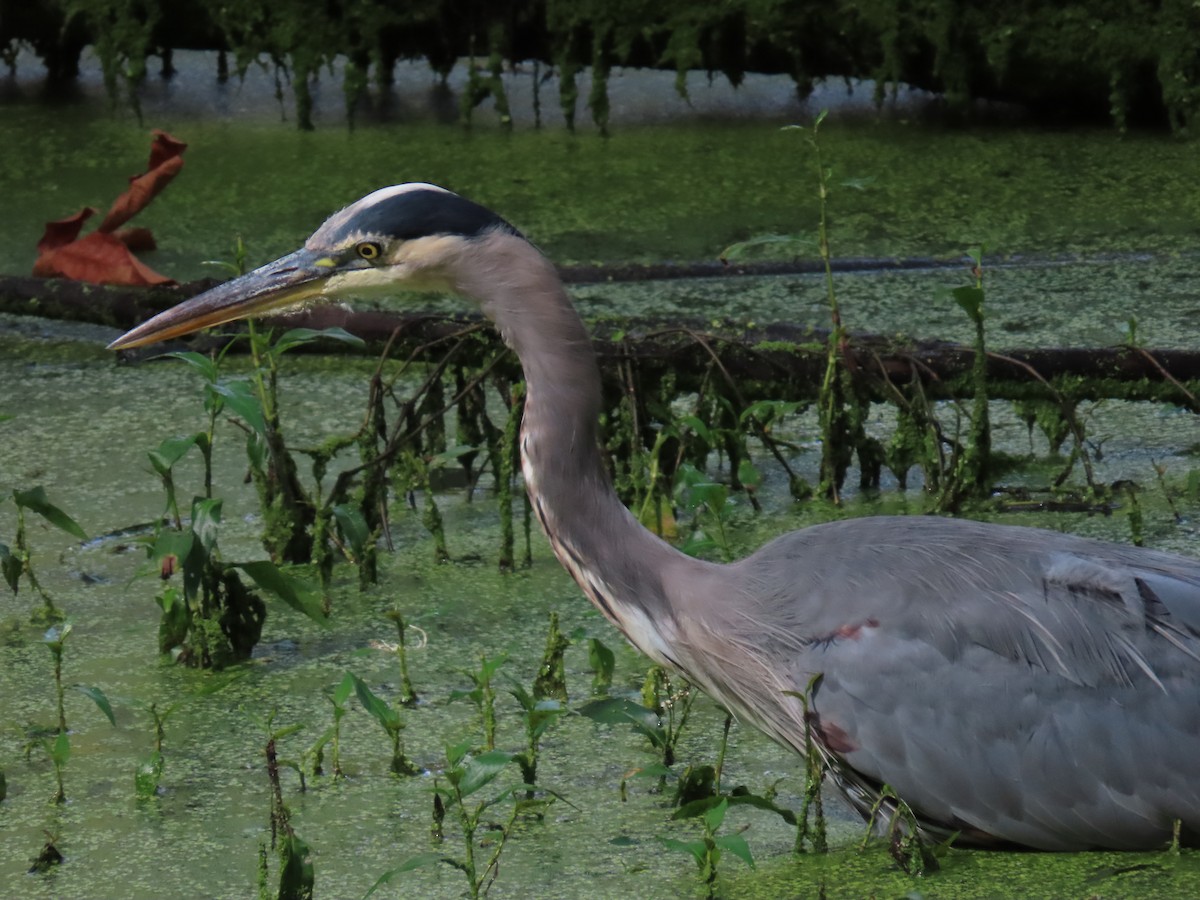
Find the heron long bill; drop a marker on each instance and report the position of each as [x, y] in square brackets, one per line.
[285, 282]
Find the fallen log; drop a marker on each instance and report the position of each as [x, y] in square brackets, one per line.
[781, 361]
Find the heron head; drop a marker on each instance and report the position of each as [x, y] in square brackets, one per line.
[402, 237]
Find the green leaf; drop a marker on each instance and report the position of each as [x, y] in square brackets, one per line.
[35, 501]
[451, 454]
[379, 709]
[768, 410]
[654, 770]
[10, 568]
[700, 807]
[354, 527]
[455, 753]
[754, 800]
[171, 451]
[296, 593]
[715, 816]
[413, 862]
[148, 774]
[239, 396]
[970, 299]
[60, 750]
[619, 711]
[482, 769]
[99, 699]
[696, 848]
[206, 521]
[749, 475]
[736, 844]
[296, 877]
[697, 426]
[603, 662]
[298, 337]
[205, 366]
[769, 245]
[342, 692]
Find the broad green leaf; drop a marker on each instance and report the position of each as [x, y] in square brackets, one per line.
[700, 807]
[695, 424]
[206, 521]
[482, 769]
[696, 848]
[970, 299]
[296, 593]
[60, 750]
[735, 844]
[715, 816]
[205, 366]
[379, 709]
[749, 475]
[456, 752]
[99, 699]
[299, 336]
[239, 396]
[413, 862]
[603, 662]
[172, 543]
[748, 799]
[35, 500]
[170, 452]
[619, 711]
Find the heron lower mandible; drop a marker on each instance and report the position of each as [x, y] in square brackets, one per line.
[1018, 686]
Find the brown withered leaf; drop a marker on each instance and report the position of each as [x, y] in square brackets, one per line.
[105, 256]
[137, 239]
[63, 231]
[165, 162]
[99, 258]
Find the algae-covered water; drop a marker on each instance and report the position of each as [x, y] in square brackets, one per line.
[1087, 230]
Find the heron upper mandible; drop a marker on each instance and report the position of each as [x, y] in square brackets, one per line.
[1019, 686]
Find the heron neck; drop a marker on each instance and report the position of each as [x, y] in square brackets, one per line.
[622, 567]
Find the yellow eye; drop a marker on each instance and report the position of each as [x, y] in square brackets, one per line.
[369, 250]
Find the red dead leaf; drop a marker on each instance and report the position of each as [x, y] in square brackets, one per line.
[136, 239]
[104, 256]
[99, 258]
[63, 231]
[165, 147]
[142, 189]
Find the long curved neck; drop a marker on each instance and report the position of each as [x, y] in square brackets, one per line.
[622, 567]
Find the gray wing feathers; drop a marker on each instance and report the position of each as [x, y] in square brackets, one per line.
[1037, 687]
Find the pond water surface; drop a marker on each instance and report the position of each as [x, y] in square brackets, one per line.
[1089, 230]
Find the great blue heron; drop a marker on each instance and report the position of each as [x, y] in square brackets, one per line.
[1019, 686]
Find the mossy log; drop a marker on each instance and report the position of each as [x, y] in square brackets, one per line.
[780, 361]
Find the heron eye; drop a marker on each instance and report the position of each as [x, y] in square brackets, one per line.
[369, 250]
